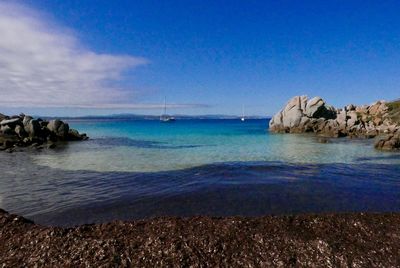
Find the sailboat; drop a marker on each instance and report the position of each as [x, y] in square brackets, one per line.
[165, 117]
[242, 118]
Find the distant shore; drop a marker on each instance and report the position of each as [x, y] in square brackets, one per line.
[326, 240]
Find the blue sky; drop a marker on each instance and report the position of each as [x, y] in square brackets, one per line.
[208, 57]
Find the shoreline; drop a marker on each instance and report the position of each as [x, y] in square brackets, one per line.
[355, 239]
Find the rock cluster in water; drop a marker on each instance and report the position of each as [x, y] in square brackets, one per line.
[23, 131]
[301, 115]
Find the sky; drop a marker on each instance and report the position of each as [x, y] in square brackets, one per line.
[207, 57]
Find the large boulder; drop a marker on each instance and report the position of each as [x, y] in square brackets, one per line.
[59, 128]
[32, 127]
[297, 114]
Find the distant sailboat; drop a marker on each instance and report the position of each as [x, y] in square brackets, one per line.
[242, 118]
[165, 117]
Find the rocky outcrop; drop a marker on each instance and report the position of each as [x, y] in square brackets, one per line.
[24, 131]
[389, 143]
[301, 115]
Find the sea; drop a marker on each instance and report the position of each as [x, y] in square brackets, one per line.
[134, 169]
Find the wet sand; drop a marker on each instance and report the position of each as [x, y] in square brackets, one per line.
[327, 240]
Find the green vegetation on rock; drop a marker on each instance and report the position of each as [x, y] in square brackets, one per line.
[394, 110]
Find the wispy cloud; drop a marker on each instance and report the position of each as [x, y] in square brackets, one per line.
[45, 65]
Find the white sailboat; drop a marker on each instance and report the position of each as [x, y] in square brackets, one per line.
[165, 117]
[242, 118]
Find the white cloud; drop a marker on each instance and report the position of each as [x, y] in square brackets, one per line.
[45, 65]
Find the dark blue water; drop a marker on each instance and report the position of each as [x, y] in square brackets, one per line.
[142, 169]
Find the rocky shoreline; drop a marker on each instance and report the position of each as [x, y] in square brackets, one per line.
[379, 120]
[22, 131]
[331, 240]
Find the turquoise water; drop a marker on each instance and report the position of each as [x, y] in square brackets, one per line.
[135, 169]
[149, 146]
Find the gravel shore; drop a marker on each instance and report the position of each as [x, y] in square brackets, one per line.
[328, 240]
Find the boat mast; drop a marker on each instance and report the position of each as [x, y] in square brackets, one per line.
[165, 105]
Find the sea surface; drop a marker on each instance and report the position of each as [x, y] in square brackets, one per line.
[137, 169]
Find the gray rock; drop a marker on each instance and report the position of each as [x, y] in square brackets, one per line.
[342, 119]
[32, 127]
[350, 107]
[313, 106]
[292, 117]
[11, 122]
[7, 130]
[26, 120]
[352, 119]
[389, 143]
[276, 120]
[74, 135]
[304, 123]
[59, 128]
[297, 114]
[303, 103]
[20, 131]
[294, 103]
[331, 129]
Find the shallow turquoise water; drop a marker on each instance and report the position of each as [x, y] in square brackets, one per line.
[138, 169]
[148, 146]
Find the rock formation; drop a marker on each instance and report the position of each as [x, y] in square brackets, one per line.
[389, 143]
[24, 131]
[301, 115]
